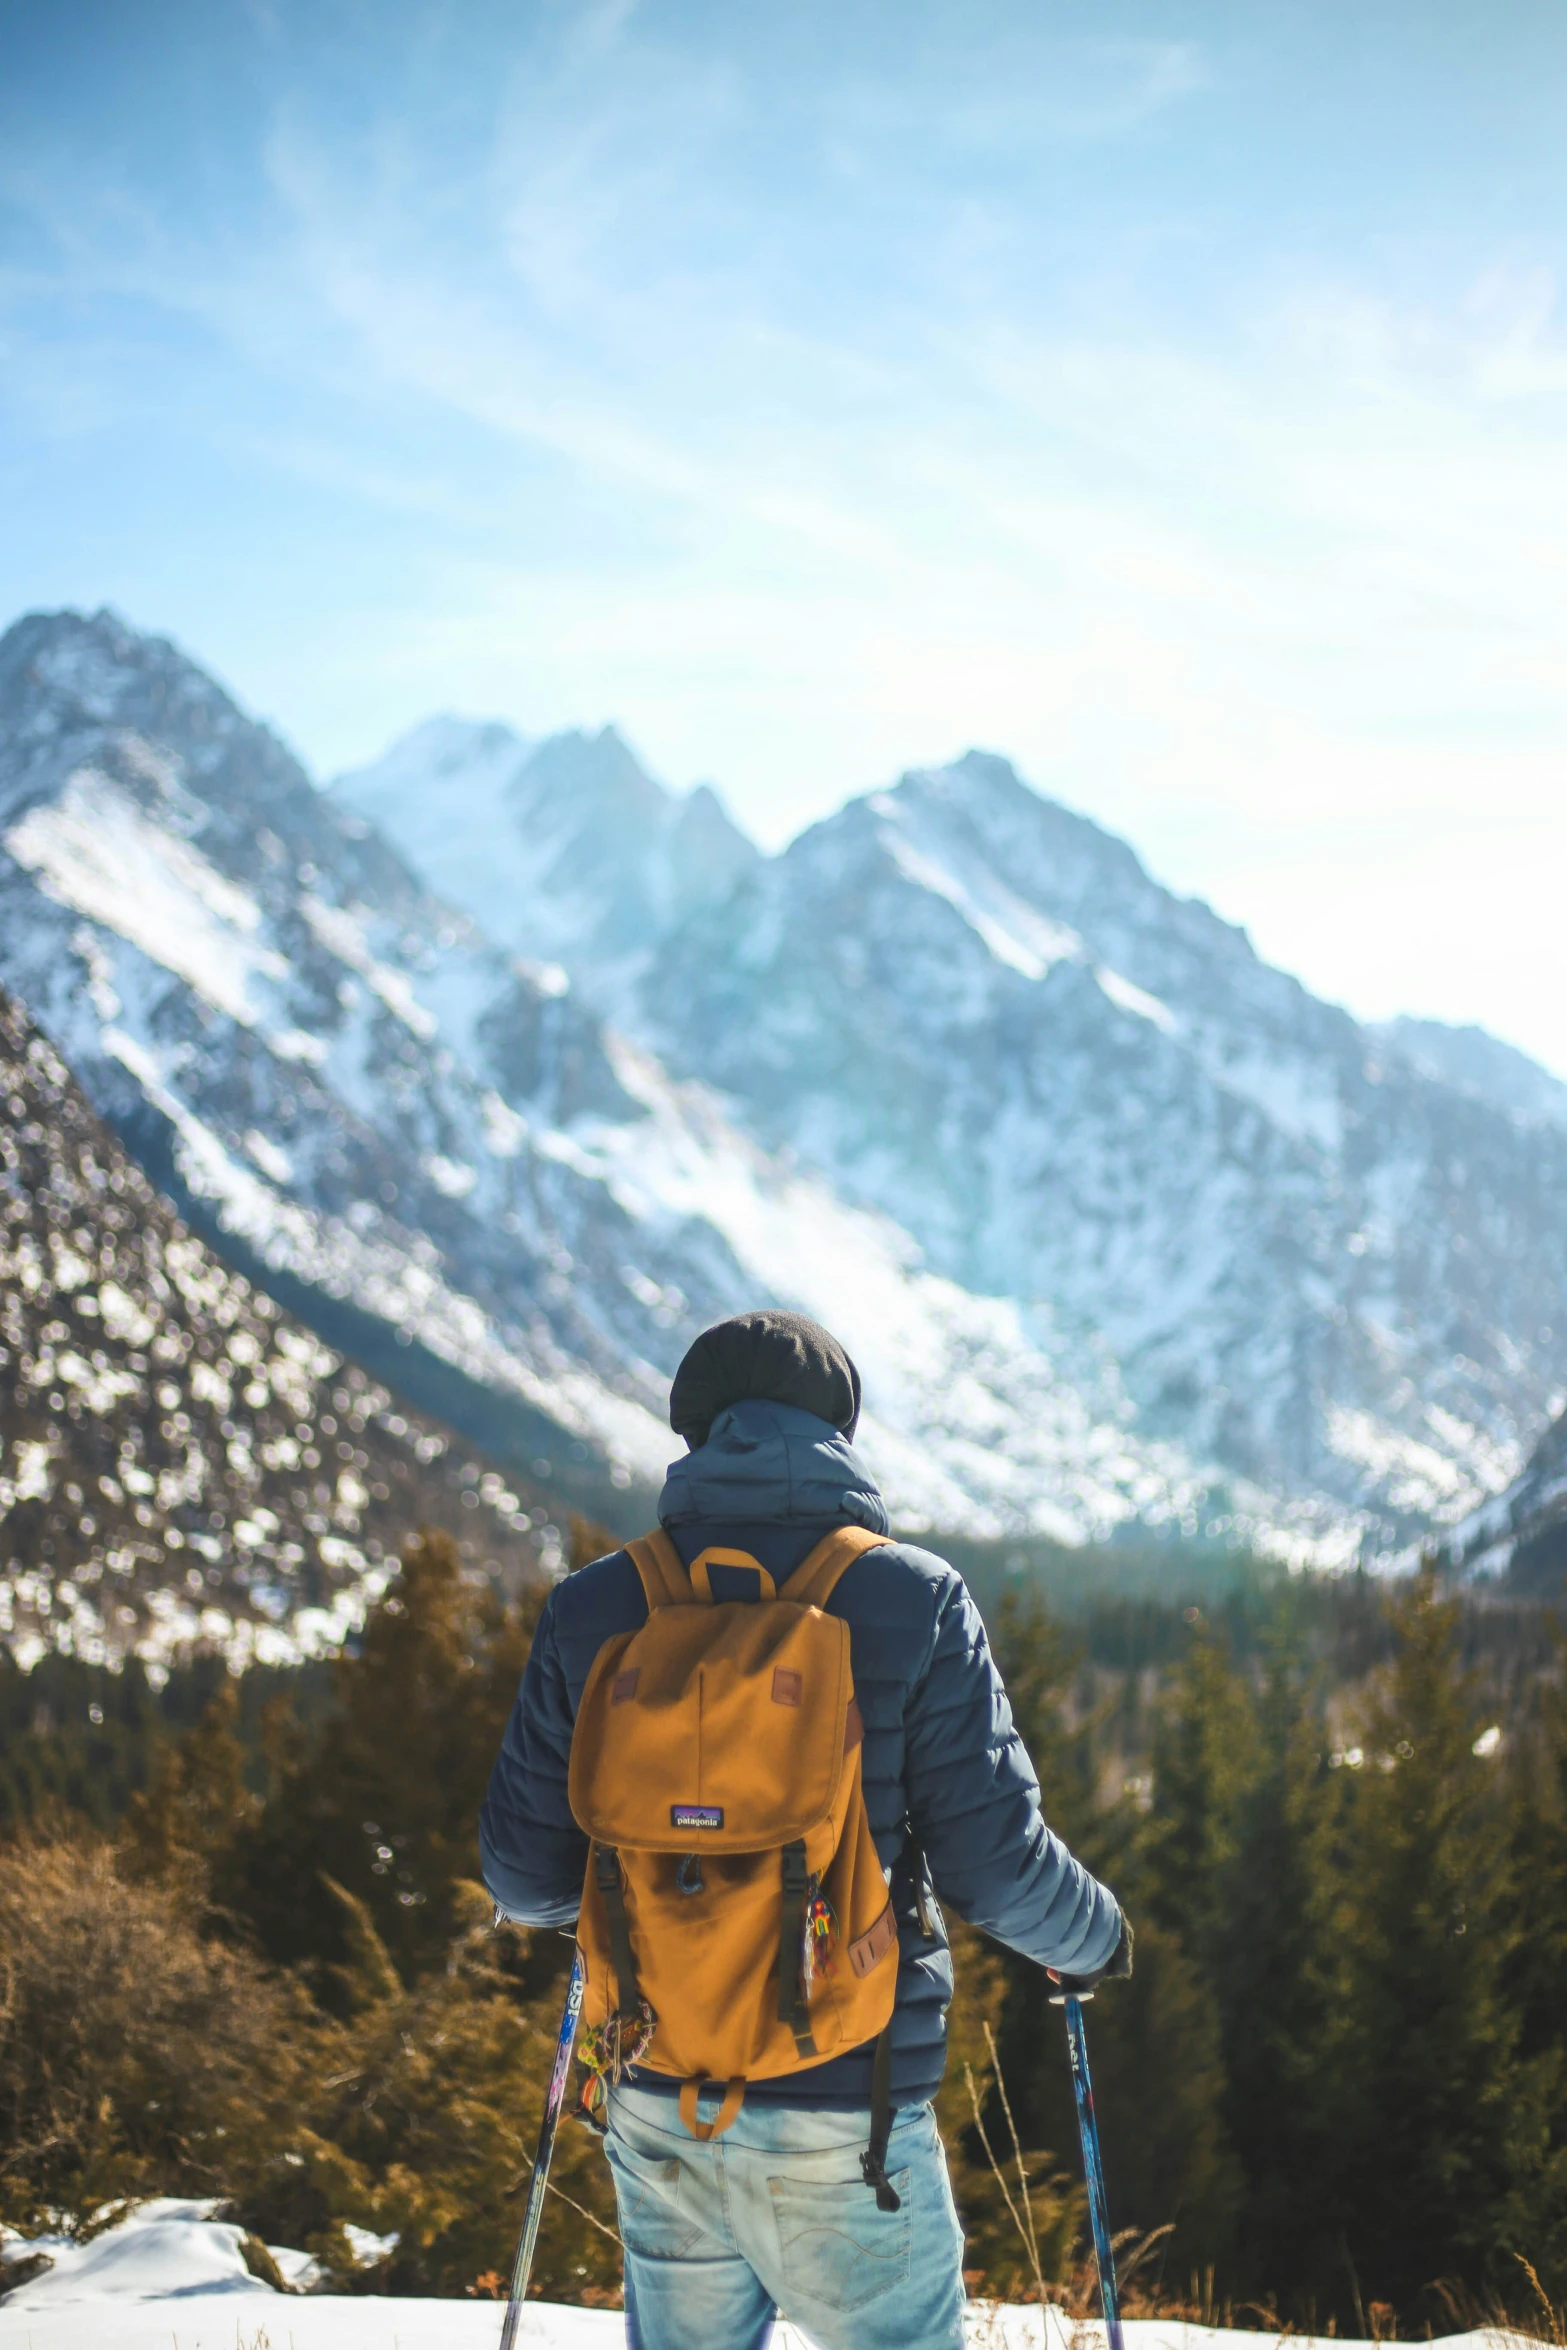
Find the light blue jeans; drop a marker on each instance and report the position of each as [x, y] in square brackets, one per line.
[774, 2215]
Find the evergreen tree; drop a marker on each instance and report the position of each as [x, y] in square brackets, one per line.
[383, 1798]
[1534, 2225]
[75, 1739]
[1158, 2074]
[1273, 1951]
[1205, 1756]
[1159, 2089]
[183, 1829]
[1041, 1664]
[1415, 2091]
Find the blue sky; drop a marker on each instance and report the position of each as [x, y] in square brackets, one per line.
[1174, 397]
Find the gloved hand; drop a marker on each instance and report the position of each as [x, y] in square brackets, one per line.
[1115, 1970]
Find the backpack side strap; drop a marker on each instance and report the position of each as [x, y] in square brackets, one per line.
[664, 1578]
[606, 1870]
[813, 1580]
[873, 2162]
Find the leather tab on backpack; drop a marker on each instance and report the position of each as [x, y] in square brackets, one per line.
[788, 1688]
[734, 2098]
[874, 1944]
[853, 1726]
[716, 1555]
[624, 1686]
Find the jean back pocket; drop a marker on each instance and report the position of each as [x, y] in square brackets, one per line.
[647, 2194]
[839, 2249]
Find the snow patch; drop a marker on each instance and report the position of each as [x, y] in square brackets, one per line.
[505, 1131]
[297, 1044]
[269, 1156]
[451, 1178]
[166, 2247]
[171, 2272]
[96, 851]
[1414, 1476]
[341, 930]
[1015, 933]
[1136, 1000]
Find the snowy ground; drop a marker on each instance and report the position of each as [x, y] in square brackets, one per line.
[171, 2278]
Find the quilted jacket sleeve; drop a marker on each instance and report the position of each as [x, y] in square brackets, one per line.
[532, 1851]
[974, 1805]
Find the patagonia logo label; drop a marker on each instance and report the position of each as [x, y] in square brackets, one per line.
[696, 1815]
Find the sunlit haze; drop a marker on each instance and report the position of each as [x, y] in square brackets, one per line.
[1172, 398]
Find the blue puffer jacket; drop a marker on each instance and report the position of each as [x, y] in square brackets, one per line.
[944, 1770]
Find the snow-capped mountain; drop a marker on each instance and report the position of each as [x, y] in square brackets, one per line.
[308, 1048]
[1119, 1221]
[567, 849]
[180, 1460]
[1313, 1259]
[438, 1154]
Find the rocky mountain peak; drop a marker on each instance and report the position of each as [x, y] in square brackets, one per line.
[976, 1013]
[565, 849]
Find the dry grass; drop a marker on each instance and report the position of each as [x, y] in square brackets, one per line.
[1075, 2291]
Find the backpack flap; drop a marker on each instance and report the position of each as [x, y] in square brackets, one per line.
[719, 1729]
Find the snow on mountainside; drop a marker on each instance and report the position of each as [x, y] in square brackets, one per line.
[317, 1055]
[1522, 1531]
[178, 1459]
[1121, 1222]
[566, 848]
[1333, 1272]
[438, 1155]
[1327, 1258]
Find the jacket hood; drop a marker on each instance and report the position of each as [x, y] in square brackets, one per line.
[774, 1463]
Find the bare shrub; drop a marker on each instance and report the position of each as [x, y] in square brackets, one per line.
[134, 2056]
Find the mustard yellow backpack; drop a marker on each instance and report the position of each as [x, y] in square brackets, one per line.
[736, 1924]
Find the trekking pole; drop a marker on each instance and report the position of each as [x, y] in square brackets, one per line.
[1093, 2168]
[522, 2267]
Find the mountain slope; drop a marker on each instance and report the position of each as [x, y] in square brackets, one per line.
[179, 1460]
[565, 849]
[314, 1053]
[439, 1156]
[1478, 1064]
[1121, 1222]
[1332, 1272]
[1519, 1536]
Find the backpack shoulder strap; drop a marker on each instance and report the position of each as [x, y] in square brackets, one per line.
[664, 1578]
[813, 1580]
